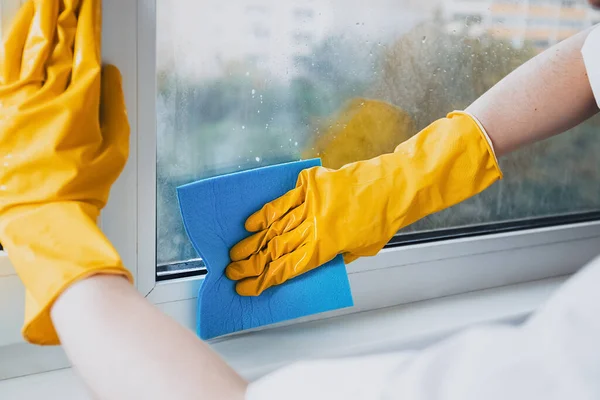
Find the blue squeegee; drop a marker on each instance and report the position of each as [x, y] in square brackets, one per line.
[214, 211]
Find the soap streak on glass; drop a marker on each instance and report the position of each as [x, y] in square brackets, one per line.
[260, 81]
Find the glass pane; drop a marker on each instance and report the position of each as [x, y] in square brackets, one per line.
[243, 84]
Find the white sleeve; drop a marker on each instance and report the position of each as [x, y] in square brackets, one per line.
[554, 355]
[340, 379]
[591, 59]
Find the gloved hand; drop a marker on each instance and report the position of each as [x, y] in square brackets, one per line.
[61, 148]
[358, 208]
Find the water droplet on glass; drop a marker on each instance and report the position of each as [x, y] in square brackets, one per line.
[258, 111]
[424, 39]
[257, 159]
[243, 127]
[3, 188]
[295, 143]
[247, 73]
[253, 92]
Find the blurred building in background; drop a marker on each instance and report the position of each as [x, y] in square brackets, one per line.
[276, 37]
[542, 23]
[281, 34]
[267, 35]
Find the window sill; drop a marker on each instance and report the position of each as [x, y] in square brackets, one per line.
[396, 328]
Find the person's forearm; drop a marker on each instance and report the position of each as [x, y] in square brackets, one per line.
[545, 96]
[124, 348]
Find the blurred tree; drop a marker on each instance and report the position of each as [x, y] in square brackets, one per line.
[429, 72]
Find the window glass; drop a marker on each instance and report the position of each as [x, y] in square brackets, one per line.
[244, 84]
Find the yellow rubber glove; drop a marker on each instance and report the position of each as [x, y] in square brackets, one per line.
[60, 151]
[356, 209]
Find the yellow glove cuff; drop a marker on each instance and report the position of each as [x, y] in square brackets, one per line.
[52, 246]
[483, 131]
[484, 134]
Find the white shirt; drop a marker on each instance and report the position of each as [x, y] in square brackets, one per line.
[591, 59]
[554, 355]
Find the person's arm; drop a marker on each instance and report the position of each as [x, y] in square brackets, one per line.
[546, 96]
[125, 348]
[449, 161]
[64, 138]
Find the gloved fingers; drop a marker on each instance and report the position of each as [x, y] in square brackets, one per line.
[13, 44]
[87, 58]
[277, 272]
[39, 42]
[258, 241]
[277, 248]
[274, 210]
[61, 60]
[113, 111]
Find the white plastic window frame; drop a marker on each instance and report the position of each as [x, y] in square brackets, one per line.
[396, 276]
